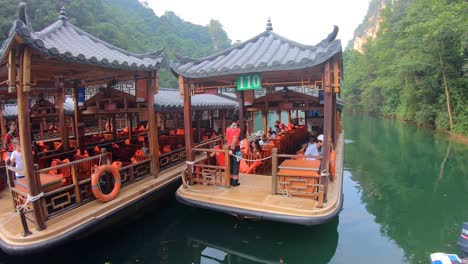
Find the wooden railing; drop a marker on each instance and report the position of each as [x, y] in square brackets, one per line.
[68, 192]
[207, 174]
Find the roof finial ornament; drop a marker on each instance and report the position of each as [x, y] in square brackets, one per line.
[63, 14]
[23, 16]
[269, 26]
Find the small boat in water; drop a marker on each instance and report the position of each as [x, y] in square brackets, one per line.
[444, 258]
[270, 73]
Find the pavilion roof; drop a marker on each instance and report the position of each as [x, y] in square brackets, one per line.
[10, 111]
[64, 41]
[263, 53]
[170, 100]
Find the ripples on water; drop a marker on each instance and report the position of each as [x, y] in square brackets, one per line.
[402, 202]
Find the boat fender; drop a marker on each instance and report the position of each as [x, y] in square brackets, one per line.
[333, 163]
[463, 239]
[101, 170]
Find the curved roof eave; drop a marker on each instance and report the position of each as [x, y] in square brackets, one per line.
[64, 41]
[293, 56]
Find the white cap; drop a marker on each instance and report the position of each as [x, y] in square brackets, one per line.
[320, 137]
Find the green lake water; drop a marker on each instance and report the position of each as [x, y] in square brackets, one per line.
[402, 202]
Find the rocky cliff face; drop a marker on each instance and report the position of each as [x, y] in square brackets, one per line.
[369, 26]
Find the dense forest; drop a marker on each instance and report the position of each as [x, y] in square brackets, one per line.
[127, 24]
[415, 68]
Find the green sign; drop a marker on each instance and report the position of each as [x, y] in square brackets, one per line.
[249, 82]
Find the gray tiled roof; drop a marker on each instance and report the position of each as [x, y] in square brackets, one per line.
[265, 52]
[166, 100]
[169, 100]
[10, 111]
[65, 41]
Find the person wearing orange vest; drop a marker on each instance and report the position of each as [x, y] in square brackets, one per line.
[233, 141]
[8, 139]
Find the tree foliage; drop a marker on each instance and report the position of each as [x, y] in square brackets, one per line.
[127, 24]
[416, 67]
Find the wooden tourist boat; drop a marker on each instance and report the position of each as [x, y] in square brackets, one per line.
[110, 88]
[272, 73]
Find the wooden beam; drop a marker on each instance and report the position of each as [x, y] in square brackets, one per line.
[59, 100]
[242, 114]
[79, 125]
[12, 71]
[153, 129]
[24, 125]
[184, 89]
[327, 126]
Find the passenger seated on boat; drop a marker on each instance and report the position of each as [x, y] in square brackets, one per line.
[264, 140]
[127, 141]
[244, 145]
[139, 156]
[63, 173]
[219, 156]
[57, 145]
[167, 148]
[145, 148]
[314, 148]
[252, 163]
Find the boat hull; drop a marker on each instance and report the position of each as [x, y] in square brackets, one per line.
[90, 227]
[301, 220]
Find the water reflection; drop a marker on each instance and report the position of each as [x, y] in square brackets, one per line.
[414, 182]
[235, 241]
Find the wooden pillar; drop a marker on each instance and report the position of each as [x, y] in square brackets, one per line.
[198, 117]
[335, 91]
[210, 118]
[24, 125]
[223, 123]
[289, 116]
[278, 114]
[153, 130]
[59, 100]
[327, 126]
[114, 127]
[265, 121]
[2, 122]
[184, 90]
[241, 114]
[79, 125]
[175, 119]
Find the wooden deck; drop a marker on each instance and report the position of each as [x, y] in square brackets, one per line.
[254, 194]
[10, 227]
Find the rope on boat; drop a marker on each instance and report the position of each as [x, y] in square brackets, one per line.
[240, 158]
[29, 199]
[217, 189]
[189, 162]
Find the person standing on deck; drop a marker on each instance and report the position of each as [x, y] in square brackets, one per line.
[233, 140]
[8, 140]
[17, 158]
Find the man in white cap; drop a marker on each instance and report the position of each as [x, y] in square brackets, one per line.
[314, 149]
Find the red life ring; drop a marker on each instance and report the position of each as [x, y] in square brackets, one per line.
[95, 183]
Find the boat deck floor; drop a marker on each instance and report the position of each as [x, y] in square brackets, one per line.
[254, 193]
[10, 223]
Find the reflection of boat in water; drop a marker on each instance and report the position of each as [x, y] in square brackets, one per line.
[262, 242]
[194, 235]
